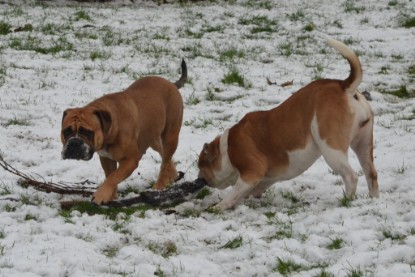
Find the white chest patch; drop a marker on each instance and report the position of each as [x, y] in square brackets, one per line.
[104, 154]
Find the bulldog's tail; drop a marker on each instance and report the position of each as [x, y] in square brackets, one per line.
[180, 83]
[355, 77]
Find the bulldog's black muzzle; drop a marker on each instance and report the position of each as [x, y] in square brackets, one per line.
[77, 149]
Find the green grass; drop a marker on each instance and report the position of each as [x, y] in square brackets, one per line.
[286, 267]
[16, 121]
[407, 21]
[159, 272]
[335, 244]
[98, 54]
[286, 49]
[110, 252]
[262, 4]
[351, 6]
[388, 234]
[233, 243]
[345, 202]
[234, 77]
[309, 27]
[5, 190]
[230, 54]
[82, 15]
[299, 15]
[29, 217]
[393, 3]
[401, 92]
[35, 44]
[54, 29]
[260, 24]
[166, 249]
[384, 69]
[109, 212]
[3, 73]
[5, 28]
[203, 193]
[283, 229]
[324, 273]
[355, 272]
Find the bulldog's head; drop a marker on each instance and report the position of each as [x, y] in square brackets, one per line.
[210, 162]
[83, 132]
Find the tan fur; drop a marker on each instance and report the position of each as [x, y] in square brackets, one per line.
[125, 124]
[323, 118]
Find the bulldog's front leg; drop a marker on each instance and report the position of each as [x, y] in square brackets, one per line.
[239, 191]
[108, 190]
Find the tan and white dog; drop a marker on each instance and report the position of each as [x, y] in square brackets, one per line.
[326, 117]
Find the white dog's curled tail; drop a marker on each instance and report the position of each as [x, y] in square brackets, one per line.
[355, 77]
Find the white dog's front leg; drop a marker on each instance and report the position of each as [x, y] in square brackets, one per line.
[239, 191]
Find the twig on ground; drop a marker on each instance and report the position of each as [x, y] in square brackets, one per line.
[28, 180]
[173, 195]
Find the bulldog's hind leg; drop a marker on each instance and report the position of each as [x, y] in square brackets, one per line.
[166, 147]
[362, 145]
[338, 161]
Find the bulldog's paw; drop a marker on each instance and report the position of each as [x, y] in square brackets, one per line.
[222, 206]
[159, 186]
[104, 194]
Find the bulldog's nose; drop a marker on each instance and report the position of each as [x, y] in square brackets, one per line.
[74, 143]
[74, 149]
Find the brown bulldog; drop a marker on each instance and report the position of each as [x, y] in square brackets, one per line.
[121, 126]
[326, 117]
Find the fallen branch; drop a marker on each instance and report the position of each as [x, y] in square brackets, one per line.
[60, 188]
[285, 84]
[173, 195]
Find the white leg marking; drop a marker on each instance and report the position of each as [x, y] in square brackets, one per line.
[337, 160]
[238, 192]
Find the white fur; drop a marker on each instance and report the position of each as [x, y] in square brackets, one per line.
[227, 174]
[300, 160]
[104, 154]
[336, 159]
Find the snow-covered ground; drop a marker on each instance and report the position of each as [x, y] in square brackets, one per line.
[302, 227]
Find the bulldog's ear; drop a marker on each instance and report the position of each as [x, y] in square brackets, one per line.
[104, 119]
[208, 153]
[64, 114]
[205, 149]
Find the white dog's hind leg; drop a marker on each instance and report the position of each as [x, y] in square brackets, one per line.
[362, 145]
[338, 161]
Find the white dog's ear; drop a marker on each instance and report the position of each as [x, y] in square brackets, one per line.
[209, 152]
[205, 149]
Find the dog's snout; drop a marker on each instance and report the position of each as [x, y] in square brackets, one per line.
[76, 149]
[75, 143]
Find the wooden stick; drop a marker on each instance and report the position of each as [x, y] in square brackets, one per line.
[173, 195]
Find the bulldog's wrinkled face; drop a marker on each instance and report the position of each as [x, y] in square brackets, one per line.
[209, 162]
[82, 133]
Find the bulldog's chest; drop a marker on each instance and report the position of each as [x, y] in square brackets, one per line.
[104, 154]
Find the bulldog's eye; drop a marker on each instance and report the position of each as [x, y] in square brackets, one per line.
[67, 132]
[86, 133]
